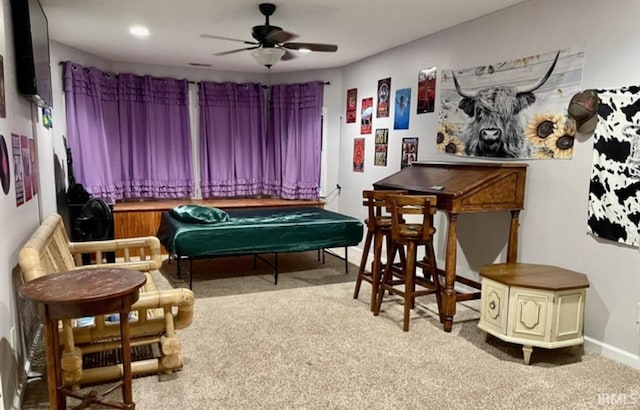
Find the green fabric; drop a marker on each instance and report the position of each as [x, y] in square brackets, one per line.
[199, 214]
[261, 231]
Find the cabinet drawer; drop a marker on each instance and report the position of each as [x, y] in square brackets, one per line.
[530, 313]
[494, 304]
[569, 315]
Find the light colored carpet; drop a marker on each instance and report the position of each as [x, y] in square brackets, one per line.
[307, 344]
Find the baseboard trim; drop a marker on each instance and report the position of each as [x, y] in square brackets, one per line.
[612, 352]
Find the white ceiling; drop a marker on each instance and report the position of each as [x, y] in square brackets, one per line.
[360, 28]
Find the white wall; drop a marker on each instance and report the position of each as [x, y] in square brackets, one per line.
[17, 222]
[553, 224]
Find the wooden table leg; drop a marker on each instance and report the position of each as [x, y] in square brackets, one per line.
[449, 294]
[127, 391]
[512, 247]
[57, 399]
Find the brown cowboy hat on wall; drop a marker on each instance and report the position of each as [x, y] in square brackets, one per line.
[583, 109]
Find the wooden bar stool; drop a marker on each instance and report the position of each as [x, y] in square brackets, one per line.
[378, 224]
[412, 235]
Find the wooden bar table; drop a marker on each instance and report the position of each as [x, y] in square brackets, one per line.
[461, 188]
[81, 293]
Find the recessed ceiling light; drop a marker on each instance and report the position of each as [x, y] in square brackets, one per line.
[304, 50]
[139, 31]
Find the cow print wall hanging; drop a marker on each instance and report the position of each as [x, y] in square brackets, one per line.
[513, 110]
[614, 189]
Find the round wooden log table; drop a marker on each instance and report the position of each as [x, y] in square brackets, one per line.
[81, 293]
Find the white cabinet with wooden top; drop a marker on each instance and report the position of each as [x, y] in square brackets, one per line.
[533, 305]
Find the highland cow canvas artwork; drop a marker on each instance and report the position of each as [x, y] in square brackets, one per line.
[513, 109]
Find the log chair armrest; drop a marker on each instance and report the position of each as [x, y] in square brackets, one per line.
[148, 247]
[159, 312]
[181, 299]
[142, 266]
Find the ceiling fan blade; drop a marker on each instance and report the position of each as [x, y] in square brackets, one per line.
[288, 55]
[227, 38]
[280, 36]
[311, 46]
[224, 53]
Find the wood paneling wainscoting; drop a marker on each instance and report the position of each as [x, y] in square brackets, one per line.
[142, 218]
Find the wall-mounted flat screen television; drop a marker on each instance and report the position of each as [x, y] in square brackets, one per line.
[31, 41]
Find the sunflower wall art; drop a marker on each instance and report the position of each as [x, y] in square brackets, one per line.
[514, 109]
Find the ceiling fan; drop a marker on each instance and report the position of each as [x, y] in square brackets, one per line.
[272, 43]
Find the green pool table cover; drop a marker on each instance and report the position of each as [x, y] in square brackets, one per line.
[260, 230]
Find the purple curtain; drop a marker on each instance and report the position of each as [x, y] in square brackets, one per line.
[232, 139]
[91, 102]
[294, 141]
[129, 135]
[155, 132]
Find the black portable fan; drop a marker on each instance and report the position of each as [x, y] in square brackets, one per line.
[95, 221]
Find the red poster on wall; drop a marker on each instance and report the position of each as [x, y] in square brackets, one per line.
[366, 116]
[358, 155]
[352, 105]
[26, 166]
[18, 170]
[384, 90]
[34, 166]
[426, 90]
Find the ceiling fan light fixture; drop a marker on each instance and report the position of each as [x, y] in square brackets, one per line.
[268, 56]
[139, 31]
[304, 50]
